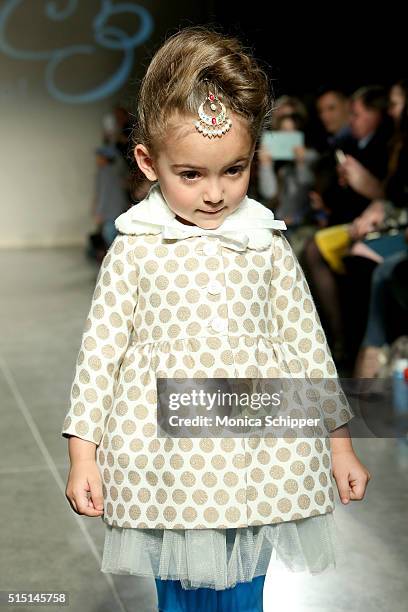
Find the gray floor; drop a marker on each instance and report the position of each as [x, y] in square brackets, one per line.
[45, 546]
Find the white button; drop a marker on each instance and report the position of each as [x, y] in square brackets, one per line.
[214, 287]
[219, 325]
[210, 248]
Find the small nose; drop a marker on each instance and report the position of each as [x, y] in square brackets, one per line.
[213, 194]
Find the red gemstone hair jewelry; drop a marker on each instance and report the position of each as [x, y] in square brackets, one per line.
[213, 125]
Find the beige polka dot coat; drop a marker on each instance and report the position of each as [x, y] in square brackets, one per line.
[177, 301]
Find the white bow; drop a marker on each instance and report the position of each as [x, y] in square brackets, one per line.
[233, 237]
[249, 226]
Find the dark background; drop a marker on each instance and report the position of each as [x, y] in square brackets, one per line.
[309, 45]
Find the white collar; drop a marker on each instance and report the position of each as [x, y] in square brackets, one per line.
[249, 225]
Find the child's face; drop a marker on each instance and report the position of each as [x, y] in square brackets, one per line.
[203, 180]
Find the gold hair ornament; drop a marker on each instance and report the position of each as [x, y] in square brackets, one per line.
[213, 125]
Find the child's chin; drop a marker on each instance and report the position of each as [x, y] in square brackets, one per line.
[210, 224]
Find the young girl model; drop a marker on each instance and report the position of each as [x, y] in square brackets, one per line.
[201, 283]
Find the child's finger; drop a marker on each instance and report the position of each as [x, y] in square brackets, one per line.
[73, 504]
[96, 494]
[83, 506]
[357, 490]
[92, 505]
[343, 488]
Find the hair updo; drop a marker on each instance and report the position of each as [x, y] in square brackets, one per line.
[190, 63]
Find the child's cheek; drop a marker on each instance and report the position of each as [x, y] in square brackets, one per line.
[241, 191]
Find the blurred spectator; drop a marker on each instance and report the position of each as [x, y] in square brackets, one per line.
[333, 108]
[379, 322]
[285, 185]
[364, 158]
[288, 105]
[365, 166]
[110, 191]
[117, 127]
[398, 99]
[347, 187]
[390, 248]
[395, 187]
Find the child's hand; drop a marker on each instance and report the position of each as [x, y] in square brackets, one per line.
[84, 477]
[350, 474]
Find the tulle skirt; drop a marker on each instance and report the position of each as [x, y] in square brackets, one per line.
[221, 558]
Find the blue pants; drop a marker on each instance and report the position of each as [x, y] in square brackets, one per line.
[244, 597]
[376, 334]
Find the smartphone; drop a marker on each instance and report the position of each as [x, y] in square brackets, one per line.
[340, 156]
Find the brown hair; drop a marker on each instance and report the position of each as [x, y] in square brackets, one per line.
[182, 71]
[374, 97]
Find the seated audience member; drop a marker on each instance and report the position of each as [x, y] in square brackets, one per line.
[347, 190]
[333, 109]
[390, 248]
[285, 185]
[288, 105]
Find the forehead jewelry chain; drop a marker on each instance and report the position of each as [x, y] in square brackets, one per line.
[213, 125]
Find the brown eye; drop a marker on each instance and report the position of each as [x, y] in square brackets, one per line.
[189, 175]
[235, 169]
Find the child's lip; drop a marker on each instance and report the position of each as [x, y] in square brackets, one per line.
[212, 212]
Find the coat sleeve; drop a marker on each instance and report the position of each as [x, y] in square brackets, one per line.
[105, 338]
[299, 326]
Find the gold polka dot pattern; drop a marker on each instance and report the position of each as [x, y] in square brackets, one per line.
[165, 308]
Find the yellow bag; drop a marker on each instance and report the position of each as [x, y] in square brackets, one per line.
[333, 243]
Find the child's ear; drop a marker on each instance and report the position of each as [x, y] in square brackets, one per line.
[145, 162]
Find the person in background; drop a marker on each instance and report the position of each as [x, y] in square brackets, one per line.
[116, 131]
[364, 163]
[333, 109]
[366, 157]
[397, 100]
[285, 185]
[392, 249]
[288, 105]
[284, 106]
[349, 187]
[395, 187]
[110, 199]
